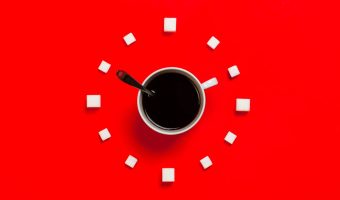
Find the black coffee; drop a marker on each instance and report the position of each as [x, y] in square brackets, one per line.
[176, 102]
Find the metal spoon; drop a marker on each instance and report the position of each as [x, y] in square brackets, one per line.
[126, 78]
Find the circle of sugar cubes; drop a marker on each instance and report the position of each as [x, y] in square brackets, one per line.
[131, 161]
[169, 24]
[206, 162]
[104, 134]
[104, 66]
[93, 101]
[129, 39]
[168, 174]
[242, 105]
[213, 42]
[233, 71]
[230, 137]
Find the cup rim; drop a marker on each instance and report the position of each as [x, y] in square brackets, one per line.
[177, 131]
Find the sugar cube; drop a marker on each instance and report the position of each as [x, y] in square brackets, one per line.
[104, 134]
[206, 162]
[104, 66]
[242, 105]
[93, 101]
[129, 39]
[230, 137]
[169, 24]
[131, 161]
[168, 174]
[213, 42]
[233, 71]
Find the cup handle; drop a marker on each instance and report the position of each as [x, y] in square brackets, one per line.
[209, 83]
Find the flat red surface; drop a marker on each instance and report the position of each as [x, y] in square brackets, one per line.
[287, 146]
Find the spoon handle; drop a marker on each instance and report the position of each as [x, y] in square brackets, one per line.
[125, 77]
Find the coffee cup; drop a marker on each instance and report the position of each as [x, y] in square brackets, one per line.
[178, 103]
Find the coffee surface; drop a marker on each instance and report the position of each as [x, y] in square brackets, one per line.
[176, 102]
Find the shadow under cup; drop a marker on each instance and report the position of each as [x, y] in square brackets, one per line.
[178, 102]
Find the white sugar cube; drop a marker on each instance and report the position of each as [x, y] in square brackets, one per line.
[206, 162]
[104, 134]
[169, 24]
[168, 174]
[213, 42]
[242, 105]
[104, 66]
[93, 101]
[233, 71]
[129, 39]
[131, 161]
[230, 137]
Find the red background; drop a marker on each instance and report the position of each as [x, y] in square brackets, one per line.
[287, 146]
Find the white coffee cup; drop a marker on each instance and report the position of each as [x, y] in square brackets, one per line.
[200, 87]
